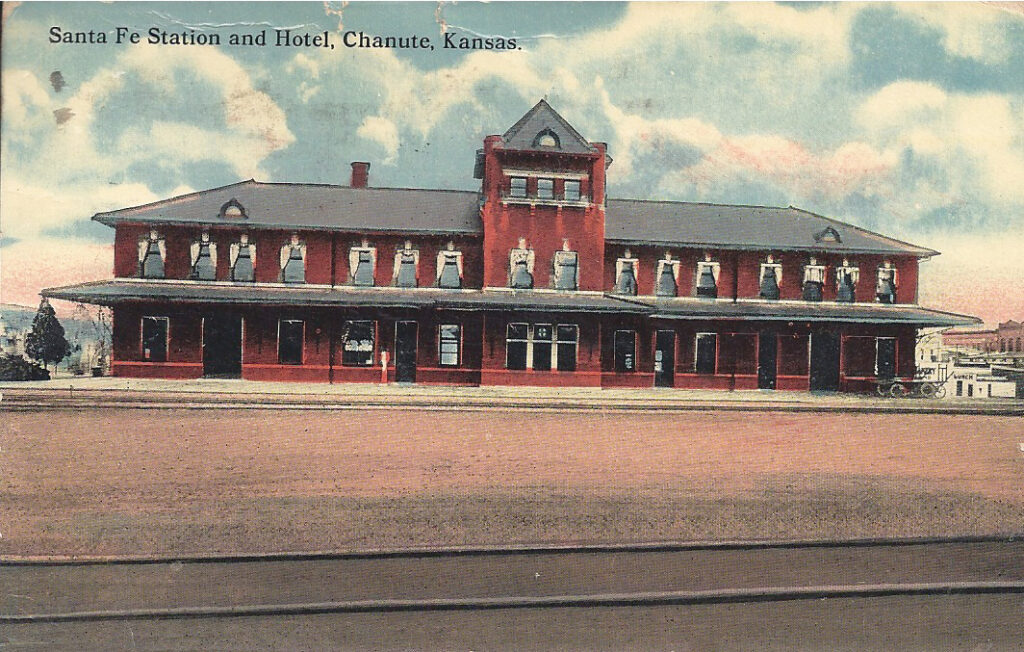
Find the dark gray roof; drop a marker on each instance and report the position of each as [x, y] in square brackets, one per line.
[130, 291]
[741, 227]
[315, 206]
[456, 212]
[522, 134]
[179, 292]
[801, 311]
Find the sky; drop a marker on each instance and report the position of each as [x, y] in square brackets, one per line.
[902, 118]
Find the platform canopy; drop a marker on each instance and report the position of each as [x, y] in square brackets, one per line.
[125, 291]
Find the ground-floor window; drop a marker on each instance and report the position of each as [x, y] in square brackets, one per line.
[568, 337]
[707, 352]
[885, 362]
[290, 333]
[450, 342]
[859, 356]
[357, 344]
[625, 351]
[959, 388]
[794, 355]
[154, 339]
[541, 347]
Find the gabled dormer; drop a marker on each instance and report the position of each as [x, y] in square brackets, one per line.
[544, 182]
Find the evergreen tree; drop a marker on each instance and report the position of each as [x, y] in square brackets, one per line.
[46, 343]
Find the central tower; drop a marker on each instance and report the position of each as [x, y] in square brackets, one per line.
[543, 188]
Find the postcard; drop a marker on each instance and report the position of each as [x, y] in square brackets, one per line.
[527, 325]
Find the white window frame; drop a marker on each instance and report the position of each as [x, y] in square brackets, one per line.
[440, 345]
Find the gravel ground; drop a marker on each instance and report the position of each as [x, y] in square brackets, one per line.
[122, 481]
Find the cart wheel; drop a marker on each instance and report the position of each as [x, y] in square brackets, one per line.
[928, 390]
[940, 391]
[883, 389]
[898, 390]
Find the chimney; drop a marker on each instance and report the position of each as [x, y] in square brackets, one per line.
[360, 174]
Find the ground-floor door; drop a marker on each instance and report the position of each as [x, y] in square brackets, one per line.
[222, 346]
[665, 359]
[824, 362]
[767, 359]
[405, 351]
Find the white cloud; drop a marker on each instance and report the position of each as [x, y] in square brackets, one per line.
[975, 139]
[26, 104]
[970, 29]
[383, 132]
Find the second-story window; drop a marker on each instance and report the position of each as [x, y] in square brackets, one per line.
[545, 188]
[449, 267]
[814, 280]
[667, 277]
[707, 277]
[204, 259]
[293, 261]
[243, 260]
[518, 187]
[407, 261]
[885, 290]
[521, 261]
[572, 191]
[771, 276]
[626, 273]
[152, 254]
[847, 276]
[566, 268]
[362, 261]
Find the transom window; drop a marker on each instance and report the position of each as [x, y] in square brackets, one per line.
[290, 334]
[541, 347]
[357, 344]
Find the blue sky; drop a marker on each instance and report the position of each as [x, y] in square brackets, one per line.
[905, 118]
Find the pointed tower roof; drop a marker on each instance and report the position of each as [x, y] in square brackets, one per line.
[542, 129]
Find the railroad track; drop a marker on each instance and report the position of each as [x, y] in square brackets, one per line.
[867, 594]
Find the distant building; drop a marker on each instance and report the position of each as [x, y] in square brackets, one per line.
[12, 339]
[537, 278]
[1008, 337]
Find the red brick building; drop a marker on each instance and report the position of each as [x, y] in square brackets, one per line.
[536, 279]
